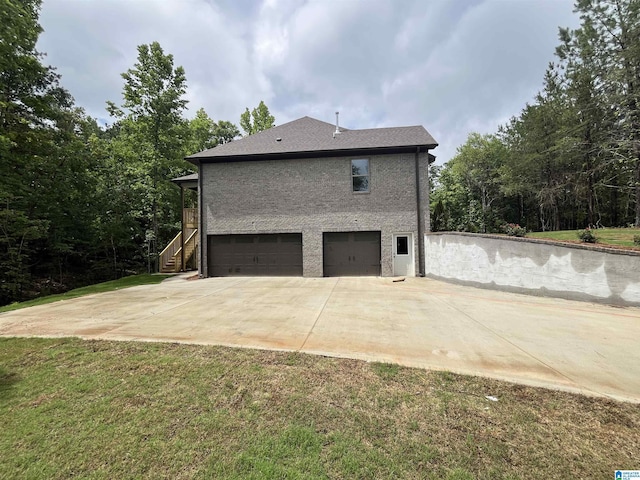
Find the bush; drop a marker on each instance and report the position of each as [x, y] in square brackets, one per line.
[587, 236]
[514, 230]
[636, 240]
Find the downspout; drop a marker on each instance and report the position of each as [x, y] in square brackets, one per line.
[419, 209]
[182, 269]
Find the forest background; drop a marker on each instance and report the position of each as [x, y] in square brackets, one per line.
[82, 202]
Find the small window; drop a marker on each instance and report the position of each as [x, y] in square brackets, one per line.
[360, 175]
[402, 246]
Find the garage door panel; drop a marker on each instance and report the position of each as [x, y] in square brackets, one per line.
[351, 253]
[249, 255]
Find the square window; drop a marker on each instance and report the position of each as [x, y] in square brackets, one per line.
[360, 175]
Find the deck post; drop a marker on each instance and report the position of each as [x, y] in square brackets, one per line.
[182, 269]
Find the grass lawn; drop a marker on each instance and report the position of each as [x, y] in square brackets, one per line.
[124, 282]
[104, 410]
[620, 237]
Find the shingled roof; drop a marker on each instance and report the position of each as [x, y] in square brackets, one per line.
[310, 137]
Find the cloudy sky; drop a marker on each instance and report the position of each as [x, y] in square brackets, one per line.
[453, 66]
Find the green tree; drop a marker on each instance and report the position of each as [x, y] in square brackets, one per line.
[452, 205]
[151, 138]
[257, 120]
[609, 35]
[225, 132]
[205, 133]
[477, 164]
[540, 167]
[202, 129]
[45, 187]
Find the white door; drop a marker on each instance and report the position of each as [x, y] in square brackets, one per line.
[403, 254]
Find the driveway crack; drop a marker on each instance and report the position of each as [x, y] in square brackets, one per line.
[319, 315]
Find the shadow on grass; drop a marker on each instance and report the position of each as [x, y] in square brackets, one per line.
[7, 381]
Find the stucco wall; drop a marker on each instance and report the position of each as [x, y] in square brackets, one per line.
[535, 266]
[312, 196]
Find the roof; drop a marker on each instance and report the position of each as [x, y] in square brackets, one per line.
[186, 178]
[310, 137]
[187, 181]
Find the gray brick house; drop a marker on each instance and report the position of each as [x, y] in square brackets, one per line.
[306, 198]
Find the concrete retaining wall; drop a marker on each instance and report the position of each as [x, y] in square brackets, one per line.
[535, 267]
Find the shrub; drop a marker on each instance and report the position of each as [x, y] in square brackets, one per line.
[514, 230]
[587, 236]
[636, 240]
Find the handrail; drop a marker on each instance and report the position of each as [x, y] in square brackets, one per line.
[190, 246]
[193, 234]
[173, 251]
[170, 250]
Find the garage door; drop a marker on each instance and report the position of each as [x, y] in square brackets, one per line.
[351, 253]
[253, 255]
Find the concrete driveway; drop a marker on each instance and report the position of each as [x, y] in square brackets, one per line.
[419, 322]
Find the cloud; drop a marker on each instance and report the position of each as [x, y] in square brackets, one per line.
[92, 43]
[454, 67]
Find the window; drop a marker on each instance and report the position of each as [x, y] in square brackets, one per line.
[402, 245]
[360, 175]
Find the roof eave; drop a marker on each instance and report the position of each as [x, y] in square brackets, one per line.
[196, 160]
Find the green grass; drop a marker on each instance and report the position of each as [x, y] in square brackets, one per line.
[102, 410]
[125, 282]
[617, 237]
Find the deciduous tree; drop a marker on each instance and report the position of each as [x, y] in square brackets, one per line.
[151, 119]
[257, 120]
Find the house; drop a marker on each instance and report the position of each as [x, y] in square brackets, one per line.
[308, 198]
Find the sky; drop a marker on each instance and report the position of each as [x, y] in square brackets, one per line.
[452, 66]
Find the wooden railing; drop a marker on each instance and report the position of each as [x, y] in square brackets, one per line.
[171, 256]
[190, 218]
[167, 256]
[190, 247]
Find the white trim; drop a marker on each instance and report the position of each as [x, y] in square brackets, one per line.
[411, 270]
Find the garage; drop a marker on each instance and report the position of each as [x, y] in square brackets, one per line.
[351, 254]
[255, 255]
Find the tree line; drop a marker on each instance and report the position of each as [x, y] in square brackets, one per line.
[571, 158]
[81, 202]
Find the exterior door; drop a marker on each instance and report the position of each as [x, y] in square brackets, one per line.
[403, 254]
[351, 254]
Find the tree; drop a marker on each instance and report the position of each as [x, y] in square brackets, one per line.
[257, 120]
[45, 187]
[610, 30]
[478, 164]
[151, 120]
[202, 129]
[225, 132]
[572, 155]
[205, 133]
[540, 168]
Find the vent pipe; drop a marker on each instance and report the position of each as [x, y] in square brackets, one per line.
[337, 132]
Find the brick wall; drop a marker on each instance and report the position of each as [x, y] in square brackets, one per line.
[313, 196]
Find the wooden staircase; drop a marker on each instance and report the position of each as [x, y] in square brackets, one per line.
[171, 256]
